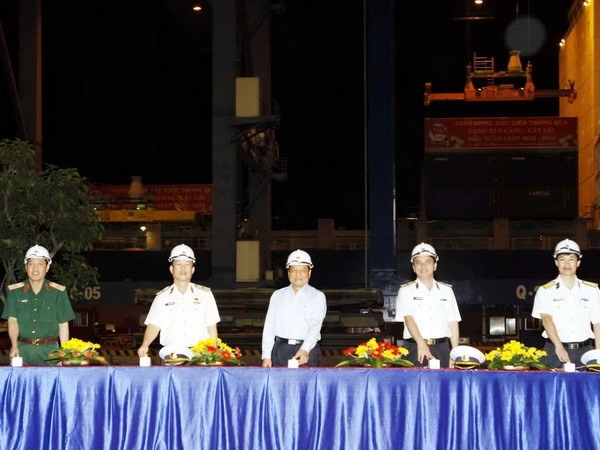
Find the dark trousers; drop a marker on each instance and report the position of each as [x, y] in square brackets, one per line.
[282, 352]
[440, 351]
[575, 355]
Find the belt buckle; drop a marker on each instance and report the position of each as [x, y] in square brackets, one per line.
[430, 341]
[35, 341]
[292, 341]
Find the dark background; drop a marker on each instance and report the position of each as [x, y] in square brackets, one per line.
[127, 90]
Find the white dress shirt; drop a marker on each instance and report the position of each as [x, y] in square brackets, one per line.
[572, 310]
[294, 315]
[432, 309]
[183, 319]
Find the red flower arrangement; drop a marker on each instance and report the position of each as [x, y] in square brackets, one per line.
[211, 352]
[375, 354]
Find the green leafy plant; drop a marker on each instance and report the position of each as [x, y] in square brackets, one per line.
[52, 208]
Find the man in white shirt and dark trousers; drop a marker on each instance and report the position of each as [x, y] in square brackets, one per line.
[292, 328]
[569, 309]
[184, 313]
[429, 311]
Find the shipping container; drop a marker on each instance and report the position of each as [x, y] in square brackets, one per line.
[447, 169]
[523, 167]
[538, 201]
[461, 202]
[544, 168]
[515, 185]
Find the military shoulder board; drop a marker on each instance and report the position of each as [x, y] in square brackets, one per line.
[16, 286]
[163, 290]
[204, 288]
[57, 286]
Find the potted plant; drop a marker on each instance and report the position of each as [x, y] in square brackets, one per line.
[514, 355]
[76, 352]
[375, 354]
[214, 352]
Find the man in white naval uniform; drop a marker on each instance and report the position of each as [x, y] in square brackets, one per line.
[429, 311]
[184, 313]
[569, 309]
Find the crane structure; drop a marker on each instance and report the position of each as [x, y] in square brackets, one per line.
[485, 84]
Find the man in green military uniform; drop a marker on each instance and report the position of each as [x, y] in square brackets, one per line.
[38, 311]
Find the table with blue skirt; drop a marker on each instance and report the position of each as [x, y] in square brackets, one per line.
[161, 407]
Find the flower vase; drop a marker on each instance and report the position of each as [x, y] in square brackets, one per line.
[216, 363]
[509, 367]
[376, 363]
[75, 362]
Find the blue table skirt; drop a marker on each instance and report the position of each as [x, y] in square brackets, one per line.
[254, 408]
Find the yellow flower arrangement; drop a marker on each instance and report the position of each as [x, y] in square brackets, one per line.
[514, 354]
[211, 352]
[375, 354]
[76, 352]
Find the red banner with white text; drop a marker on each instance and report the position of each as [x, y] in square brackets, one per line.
[165, 197]
[447, 134]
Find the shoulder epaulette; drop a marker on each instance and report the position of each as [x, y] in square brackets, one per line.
[409, 283]
[549, 284]
[590, 283]
[16, 286]
[444, 284]
[162, 291]
[57, 286]
[199, 286]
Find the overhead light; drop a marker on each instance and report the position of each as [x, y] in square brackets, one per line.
[143, 228]
[197, 8]
[474, 10]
